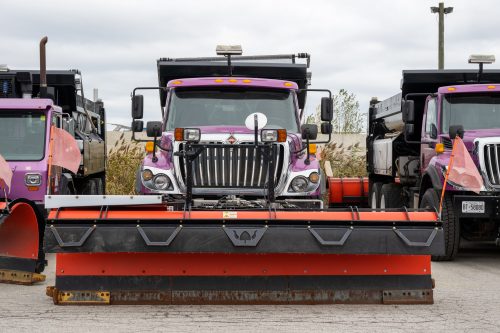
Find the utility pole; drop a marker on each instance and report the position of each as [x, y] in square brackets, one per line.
[441, 10]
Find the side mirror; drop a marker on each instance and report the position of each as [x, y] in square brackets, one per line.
[409, 111]
[137, 106]
[434, 131]
[456, 130]
[326, 128]
[309, 131]
[409, 130]
[153, 129]
[137, 126]
[326, 109]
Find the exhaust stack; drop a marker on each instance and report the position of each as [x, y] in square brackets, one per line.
[43, 68]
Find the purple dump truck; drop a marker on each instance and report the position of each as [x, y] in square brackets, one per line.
[409, 146]
[210, 143]
[31, 102]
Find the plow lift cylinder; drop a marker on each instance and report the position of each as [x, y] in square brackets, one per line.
[150, 253]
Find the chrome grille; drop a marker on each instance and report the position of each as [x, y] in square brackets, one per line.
[242, 165]
[491, 163]
[448, 144]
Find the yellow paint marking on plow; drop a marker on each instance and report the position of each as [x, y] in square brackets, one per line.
[20, 277]
[84, 297]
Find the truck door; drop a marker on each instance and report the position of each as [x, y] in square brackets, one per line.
[429, 133]
[55, 171]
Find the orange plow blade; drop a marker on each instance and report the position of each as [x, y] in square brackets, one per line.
[155, 254]
[348, 191]
[21, 258]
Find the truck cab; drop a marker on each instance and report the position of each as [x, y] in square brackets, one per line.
[410, 142]
[213, 150]
[25, 133]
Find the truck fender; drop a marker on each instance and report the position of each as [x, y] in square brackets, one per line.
[430, 179]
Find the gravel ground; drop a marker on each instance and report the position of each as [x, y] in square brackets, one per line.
[467, 298]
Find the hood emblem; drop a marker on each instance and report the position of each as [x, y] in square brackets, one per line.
[231, 140]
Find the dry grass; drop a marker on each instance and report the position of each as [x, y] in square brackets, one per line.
[346, 161]
[123, 160]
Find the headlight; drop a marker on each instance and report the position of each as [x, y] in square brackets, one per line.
[273, 135]
[161, 182]
[192, 134]
[269, 135]
[299, 184]
[33, 179]
[147, 175]
[187, 134]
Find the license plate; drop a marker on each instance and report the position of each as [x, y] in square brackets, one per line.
[474, 207]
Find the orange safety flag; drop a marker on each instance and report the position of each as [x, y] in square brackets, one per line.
[65, 151]
[5, 173]
[463, 172]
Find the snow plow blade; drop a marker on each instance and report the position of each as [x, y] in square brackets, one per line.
[155, 255]
[21, 258]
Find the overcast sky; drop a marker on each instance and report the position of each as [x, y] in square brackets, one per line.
[361, 46]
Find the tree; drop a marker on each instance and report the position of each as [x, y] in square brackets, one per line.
[347, 118]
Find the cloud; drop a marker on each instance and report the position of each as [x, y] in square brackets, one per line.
[361, 46]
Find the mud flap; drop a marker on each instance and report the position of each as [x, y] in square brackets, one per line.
[20, 252]
[155, 256]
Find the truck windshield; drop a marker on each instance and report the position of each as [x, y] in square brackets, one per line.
[22, 135]
[224, 107]
[472, 111]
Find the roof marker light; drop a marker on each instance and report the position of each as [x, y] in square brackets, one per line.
[218, 80]
[452, 88]
[288, 84]
[491, 87]
[232, 80]
[247, 81]
[177, 82]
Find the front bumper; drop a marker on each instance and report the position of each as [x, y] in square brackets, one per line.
[477, 206]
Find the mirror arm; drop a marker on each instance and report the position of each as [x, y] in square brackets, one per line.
[307, 161]
[325, 141]
[154, 159]
[256, 129]
[410, 141]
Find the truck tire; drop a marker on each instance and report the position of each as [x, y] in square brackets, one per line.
[390, 196]
[90, 188]
[451, 224]
[99, 186]
[375, 192]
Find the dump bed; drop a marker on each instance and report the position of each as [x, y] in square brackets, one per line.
[63, 82]
[15, 83]
[427, 82]
[281, 67]
[423, 82]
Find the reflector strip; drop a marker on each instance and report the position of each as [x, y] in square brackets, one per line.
[162, 214]
[61, 201]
